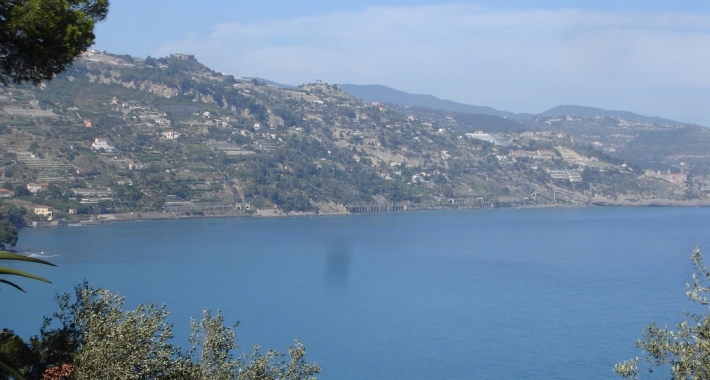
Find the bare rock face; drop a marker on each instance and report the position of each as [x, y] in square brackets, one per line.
[275, 121]
[159, 89]
[330, 208]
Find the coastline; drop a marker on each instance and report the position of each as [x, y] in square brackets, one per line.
[166, 215]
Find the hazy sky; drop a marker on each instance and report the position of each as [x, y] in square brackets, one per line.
[649, 57]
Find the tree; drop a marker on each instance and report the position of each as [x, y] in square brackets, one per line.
[14, 353]
[13, 214]
[41, 38]
[8, 234]
[96, 339]
[10, 344]
[687, 350]
[21, 190]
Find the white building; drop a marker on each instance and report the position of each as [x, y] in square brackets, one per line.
[102, 143]
[171, 135]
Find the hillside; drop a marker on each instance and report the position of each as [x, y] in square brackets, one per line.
[652, 142]
[118, 134]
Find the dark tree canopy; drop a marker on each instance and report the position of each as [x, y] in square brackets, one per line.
[41, 38]
[8, 234]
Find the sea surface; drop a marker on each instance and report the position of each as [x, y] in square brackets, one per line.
[555, 293]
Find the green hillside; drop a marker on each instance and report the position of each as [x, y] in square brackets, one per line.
[171, 135]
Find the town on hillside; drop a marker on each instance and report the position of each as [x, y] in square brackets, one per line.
[121, 138]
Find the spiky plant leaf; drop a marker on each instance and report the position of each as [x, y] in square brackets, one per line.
[6, 368]
[15, 272]
[4, 255]
[12, 284]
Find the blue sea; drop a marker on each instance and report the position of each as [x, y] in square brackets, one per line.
[555, 293]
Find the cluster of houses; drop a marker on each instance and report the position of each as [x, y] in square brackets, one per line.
[47, 211]
[219, 122]
[680, 179]
[423, 176]
[34, 188]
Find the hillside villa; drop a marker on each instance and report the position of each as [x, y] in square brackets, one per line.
[46, 211]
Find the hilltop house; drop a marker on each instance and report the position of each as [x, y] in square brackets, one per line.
[5, 193]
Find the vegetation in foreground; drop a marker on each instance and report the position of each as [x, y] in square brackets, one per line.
[92, 337]
[686, 350]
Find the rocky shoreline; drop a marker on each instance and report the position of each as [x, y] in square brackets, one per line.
[269, 213]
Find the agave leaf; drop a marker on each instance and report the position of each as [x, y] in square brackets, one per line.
[4, 255]
[12, 284]
[6, 368]
[15, 272]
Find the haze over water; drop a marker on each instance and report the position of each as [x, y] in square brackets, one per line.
[512, 293]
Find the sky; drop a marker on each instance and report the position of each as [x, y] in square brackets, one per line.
[648, 57]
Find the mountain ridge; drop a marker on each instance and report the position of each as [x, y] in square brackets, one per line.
[584, 111]
[384, 94]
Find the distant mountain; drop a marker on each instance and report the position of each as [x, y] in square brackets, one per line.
[579, 111]
[384, 94]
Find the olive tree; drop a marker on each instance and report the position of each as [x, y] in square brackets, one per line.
[97, 339]
[685, 350]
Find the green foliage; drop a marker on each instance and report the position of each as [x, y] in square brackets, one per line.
[212, 344]
[21, 190]
[686, 350]
[272, 366]
[60, 203]
[121, 344]
[102, 341]
[12, 213]
[8, 234]
[13, 354]
[40, 38]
